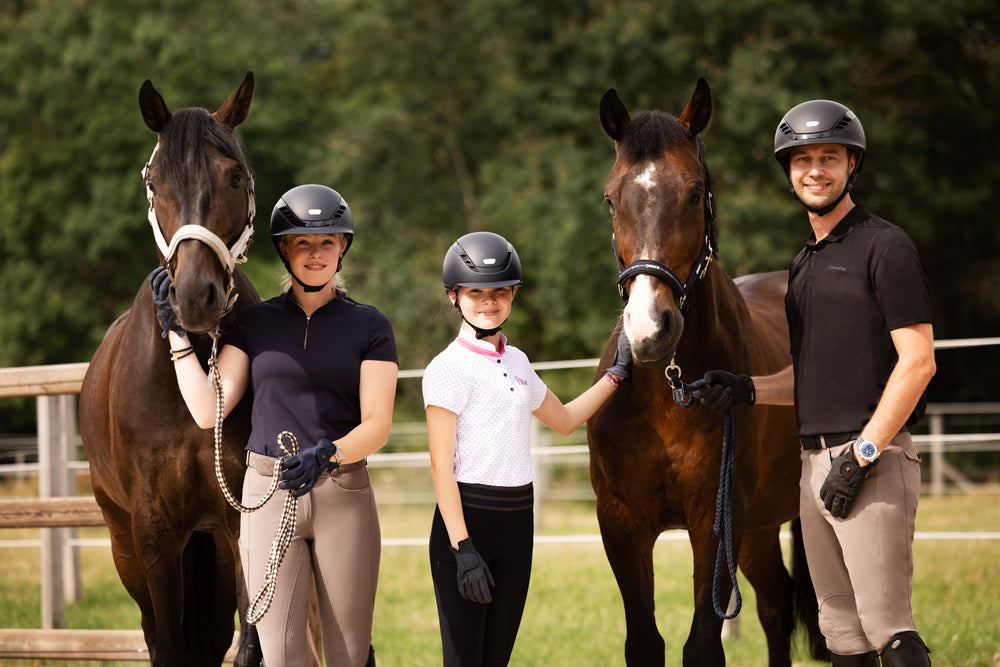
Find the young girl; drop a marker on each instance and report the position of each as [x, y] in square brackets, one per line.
[479, 395]
[324, 368]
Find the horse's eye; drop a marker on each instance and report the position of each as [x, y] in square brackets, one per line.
[236, 180]
[151, 187]
[695, 199]
[611, 204]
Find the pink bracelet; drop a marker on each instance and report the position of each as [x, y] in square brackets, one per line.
[612, 378]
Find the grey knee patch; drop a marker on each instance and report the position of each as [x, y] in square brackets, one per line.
[839, 621]
[906, 649]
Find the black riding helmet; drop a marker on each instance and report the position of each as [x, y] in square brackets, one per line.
[481, 259]
[820, 122]
[311, 209]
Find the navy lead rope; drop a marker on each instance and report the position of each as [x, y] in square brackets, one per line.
[723, 525]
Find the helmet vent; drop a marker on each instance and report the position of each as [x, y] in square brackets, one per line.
[842, 123]
[786, 129]
[339, 213]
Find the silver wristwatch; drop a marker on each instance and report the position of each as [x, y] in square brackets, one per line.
[866, 449]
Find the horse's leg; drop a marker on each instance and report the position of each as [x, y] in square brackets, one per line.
[703, 647]
[628, 544]
[160, 548]
[126, 560]
[209, 597]
[761, 562]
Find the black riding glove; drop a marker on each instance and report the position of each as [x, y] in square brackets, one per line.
[159, 281]
[623, 358]
[843, 483]
[474, 578]
[724, 390]
[300, 472]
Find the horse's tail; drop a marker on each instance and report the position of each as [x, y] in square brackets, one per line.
[806, 607]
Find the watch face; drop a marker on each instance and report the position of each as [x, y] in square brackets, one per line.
[868, 450]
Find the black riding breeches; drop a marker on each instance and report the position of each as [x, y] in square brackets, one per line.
[473, 634]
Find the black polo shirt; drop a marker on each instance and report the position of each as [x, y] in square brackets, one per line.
[845, 294]
[305, 372]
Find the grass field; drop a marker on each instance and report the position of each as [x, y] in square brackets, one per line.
[574, 614]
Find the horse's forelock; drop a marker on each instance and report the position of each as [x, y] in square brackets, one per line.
[182, 140]
[649, 133]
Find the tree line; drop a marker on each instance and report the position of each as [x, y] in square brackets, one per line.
[440, 117]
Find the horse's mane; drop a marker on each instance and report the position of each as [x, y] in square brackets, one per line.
[182, 141]
[649, 134]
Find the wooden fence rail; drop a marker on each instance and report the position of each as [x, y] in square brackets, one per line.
[112, 645]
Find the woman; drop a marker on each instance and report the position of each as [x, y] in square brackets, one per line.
[479, 396]
[323, 368]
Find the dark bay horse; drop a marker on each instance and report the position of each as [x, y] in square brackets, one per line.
[654, 464]
[173, 534]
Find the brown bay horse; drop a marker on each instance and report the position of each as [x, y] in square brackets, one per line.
[173, 534]
[654, 464]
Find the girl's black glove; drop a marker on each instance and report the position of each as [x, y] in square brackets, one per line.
[159, 281]
[300, 472]
[724, 390]
[474, 578]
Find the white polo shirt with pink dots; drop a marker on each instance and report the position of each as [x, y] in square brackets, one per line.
[493, 393]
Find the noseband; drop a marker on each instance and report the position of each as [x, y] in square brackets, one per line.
[228, 257]
[653, 268]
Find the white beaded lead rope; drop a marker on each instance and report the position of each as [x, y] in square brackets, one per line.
[286, 528]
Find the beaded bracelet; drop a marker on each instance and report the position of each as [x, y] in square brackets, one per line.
[176, 355]
[612, 378]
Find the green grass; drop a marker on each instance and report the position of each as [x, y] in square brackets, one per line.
[574, 613]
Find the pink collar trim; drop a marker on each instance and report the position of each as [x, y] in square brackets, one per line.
[470, 342]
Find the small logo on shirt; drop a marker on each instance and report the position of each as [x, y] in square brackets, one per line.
[520, 381]
[834, 267]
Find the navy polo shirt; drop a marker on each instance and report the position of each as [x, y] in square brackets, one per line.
[845, 294]
[305, 372]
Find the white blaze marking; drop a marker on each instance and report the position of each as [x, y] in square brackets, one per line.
[640, 320]
[645, 179]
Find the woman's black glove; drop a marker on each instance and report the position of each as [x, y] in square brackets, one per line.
[474, 577]
[300, 472]
[159, 281]
[723, 391]
[623, 358]
[843, 483]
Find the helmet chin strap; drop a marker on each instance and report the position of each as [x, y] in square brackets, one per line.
[311, 288]
[826, 209]
[480, 332]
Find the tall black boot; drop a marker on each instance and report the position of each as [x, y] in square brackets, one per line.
[906, 649]
[869, 659]
[371, 656]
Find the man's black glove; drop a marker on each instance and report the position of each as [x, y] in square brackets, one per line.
[159, 281]
[623, 358]
[724, 390]
[299, 472]
[474, 578]
[843, 483]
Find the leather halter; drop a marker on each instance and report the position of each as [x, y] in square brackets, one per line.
[665, 273]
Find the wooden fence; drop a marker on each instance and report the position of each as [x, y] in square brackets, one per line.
[58, 514]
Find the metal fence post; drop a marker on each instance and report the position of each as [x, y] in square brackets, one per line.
[51, 483]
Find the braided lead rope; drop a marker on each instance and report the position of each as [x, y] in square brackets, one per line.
[286, 527]
[724, 498]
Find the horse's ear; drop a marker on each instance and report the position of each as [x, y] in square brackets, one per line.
[614, 115]
[154, 109]
[698, 110]
[237, 107]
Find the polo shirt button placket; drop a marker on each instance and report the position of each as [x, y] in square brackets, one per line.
[500, 361]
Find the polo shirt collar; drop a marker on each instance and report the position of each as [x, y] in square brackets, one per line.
[843, 228]
[467, 340]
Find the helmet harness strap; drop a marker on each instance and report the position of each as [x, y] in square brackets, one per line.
[480, 332]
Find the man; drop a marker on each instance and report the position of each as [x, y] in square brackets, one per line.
[862, 346]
